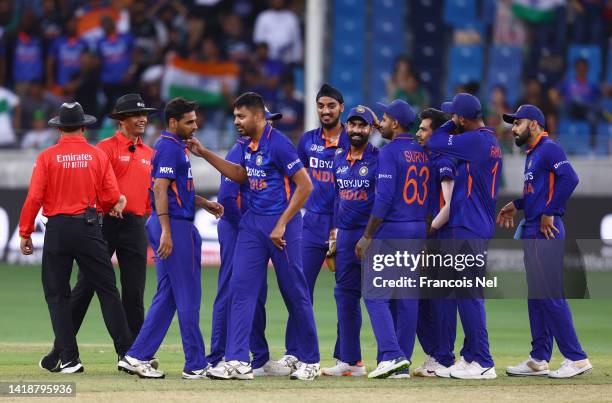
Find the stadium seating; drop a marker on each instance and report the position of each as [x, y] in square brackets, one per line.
[348, 48]
[505, 68]
[574, 135]
[460, 13]
[592, 53]
[603, 138]
[388, 18]
[465, 64]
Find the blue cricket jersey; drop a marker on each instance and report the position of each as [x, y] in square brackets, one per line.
[67, 54]
[403, 181]
[549, 181]
[355, 188]
[270, 163]
[317, 155]
[234, 196]
[442, 167]
[28, 58]
[116, 54]
[479, 168]
[171, 161]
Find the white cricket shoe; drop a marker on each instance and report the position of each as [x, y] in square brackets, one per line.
[344, 369]
[402, 374]
[529, 367]
[271, 368]
[285, 366]
[306, 372]
[429, 368]
[231, 370]
[135, 366]
[445, 372]
[571, 368]
[473, 370]
[387, 368]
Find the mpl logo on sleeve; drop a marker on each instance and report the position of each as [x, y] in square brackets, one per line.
[166, 170]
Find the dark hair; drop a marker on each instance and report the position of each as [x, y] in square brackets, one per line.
[581, 60]
[437, 117]
[251, 100]
[177, 107]
[330, 91]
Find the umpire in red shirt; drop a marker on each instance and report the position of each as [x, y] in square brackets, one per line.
[71, 181]
[130, 160]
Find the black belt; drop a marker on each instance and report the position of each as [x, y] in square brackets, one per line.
[70, 215]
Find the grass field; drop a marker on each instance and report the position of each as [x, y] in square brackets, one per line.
[25, 335]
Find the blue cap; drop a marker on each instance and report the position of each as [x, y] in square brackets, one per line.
[526, 111]
[271, 115]
[465, 105]
[362, 112]
[446, 107]
[401, 111]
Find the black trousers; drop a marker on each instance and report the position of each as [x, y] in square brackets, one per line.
[68, 239]
[128, 238]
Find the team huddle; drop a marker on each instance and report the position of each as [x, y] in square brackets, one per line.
[441, 185]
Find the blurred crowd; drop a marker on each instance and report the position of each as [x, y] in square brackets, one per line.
[95, 51]
[544, 31]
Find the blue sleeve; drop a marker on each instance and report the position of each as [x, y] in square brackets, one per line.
[54, 48]
[229, 190]
[519, 204]
[385, 184]
[286, 156]
[167, 162]
[447, 168]
[566, 179]
[463, 146]
[302, 151]
[336, 196]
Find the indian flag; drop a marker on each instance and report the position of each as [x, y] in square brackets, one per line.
[204, 82]
[536, 11]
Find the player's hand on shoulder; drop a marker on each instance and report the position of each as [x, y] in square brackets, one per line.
[505, 217]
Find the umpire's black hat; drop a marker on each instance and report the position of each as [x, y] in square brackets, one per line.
[71, 115]
[129, 103]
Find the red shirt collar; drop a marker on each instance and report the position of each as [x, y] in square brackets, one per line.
[72, 139]
[124, 140]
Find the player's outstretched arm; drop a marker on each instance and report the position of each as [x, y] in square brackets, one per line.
[235, 172]
[303, 188]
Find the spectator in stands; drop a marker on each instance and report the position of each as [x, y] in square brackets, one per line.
[51, 20]
[37, 100]
[534, 96]
[209, 51]
[206, 133]
[150, 34]
[9, 117]
[508, 30]
[577, 97]
[41, 135]
[498, 105]
[279, 27]
[63, 58]
[236, 42]
[588, 21]
[28, 54]
[270, 72]
[412, 92]
[402, 68]
[292, 109]
[116, 56]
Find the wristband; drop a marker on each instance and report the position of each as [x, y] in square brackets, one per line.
[159, 215]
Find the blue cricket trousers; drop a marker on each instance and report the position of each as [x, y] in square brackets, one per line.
[347, 293]
[437, 321]
[550, 318]
[315, 236]
[394, 321]
[179, 289]
[253, 251]
[228, 234]
[471, 310]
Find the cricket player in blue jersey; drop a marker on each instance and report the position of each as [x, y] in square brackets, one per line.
[433, 328]
[355, 175]
[549, 181]
[316, 150]
[271, 229]
[178, 249]
[399, 212]
[472, 219]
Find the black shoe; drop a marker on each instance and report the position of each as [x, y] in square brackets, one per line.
[50, 361]
[69, 367]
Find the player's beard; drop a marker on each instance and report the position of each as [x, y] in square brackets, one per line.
[332, 124]
[358, 143]
[522, 138]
